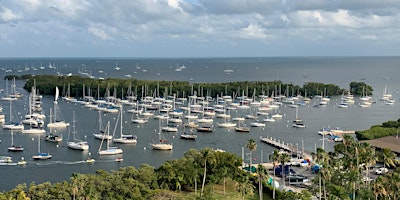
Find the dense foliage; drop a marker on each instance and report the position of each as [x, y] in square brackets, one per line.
[22, 77]
[184, 178]
[388, 128]
[360, 89]
[46, 85]
[345, 173]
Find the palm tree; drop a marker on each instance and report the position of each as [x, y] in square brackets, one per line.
[178, 182]
[368, 157]
[206, 157]
[284, 158]
[252, 146]
[393, 180]
[224, 173]
[274, 157]
[261, 172]
[379, 188]
[388, 157]
[325, 173]
[244, 186]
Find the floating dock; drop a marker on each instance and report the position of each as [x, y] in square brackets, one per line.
[293, 149]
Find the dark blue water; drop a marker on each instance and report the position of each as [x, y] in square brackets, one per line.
[375, 71]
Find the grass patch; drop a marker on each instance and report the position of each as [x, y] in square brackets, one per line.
[216, 192]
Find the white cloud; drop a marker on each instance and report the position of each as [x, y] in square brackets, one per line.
[99, 32]
[175, 4]
[253, 31]
[7, 15]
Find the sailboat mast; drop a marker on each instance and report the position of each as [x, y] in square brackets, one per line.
[108, 133]
[121, 119]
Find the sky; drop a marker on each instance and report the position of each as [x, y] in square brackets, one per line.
[199, 28]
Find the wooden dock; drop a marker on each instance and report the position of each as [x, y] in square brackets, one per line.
[341, 132]
[293, 149]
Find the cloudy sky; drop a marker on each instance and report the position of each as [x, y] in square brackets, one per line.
[198, 28]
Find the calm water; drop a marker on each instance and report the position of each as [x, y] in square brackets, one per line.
[376, 72]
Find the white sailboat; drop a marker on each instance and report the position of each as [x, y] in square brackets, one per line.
[138, 120]
[169, 127]
[101, 134]
[124, 139]
[109, 150]
[14, 147]
[34, 128]
[242, 129]
[298, 123]
[188, 136]
[10, 97]
[55, 123]
[76, 143]
[41, 155]
[161, 143]
[226, 123]
[13, 125]
[53, 137]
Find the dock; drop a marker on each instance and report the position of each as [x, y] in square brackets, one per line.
[341, 132]
[280, 144]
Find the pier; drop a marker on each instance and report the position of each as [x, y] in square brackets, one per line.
[293, 149]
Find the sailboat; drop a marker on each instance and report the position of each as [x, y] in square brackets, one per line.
[13, 125]
[41, 155]
[125, 139]
[33, 127]
[12, 96]
[242, 129]
[14, 147]
[226, 123]
[53, 137]
[298, 123]
[161, 143]
[76, 143]
[169, 127]
[101, 134]
[109, 150]
[56, 123]
[116, 67]
[188, 136]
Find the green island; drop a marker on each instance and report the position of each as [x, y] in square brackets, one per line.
[46, 85]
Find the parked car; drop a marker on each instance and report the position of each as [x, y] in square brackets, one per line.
[296, 178]
[367, 179]
[287, 171]
[382, 170]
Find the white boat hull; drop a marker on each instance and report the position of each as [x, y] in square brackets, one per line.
[111, 151]
[58, 125]
[34, 131]
[161, 146]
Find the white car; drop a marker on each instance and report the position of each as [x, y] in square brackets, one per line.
[382, 170]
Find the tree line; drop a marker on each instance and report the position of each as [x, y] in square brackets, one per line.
[345, 172]
[388, 128]
[46, 84]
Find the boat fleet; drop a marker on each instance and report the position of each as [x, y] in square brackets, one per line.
[183, 115]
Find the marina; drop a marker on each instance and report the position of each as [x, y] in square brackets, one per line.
[66, 161]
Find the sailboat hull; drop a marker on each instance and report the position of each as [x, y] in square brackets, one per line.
[61, 124]
[13, 127]
[111, 151]
[165, 147]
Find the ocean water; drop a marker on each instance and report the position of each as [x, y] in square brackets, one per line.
[379, 72]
